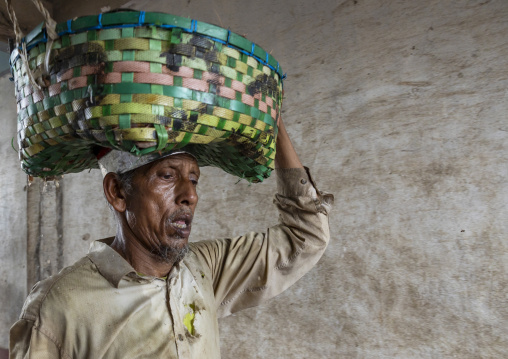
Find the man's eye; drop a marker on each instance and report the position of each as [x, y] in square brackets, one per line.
[167, 176]
[194, 182]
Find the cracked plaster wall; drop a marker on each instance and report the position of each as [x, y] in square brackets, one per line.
[399, 108]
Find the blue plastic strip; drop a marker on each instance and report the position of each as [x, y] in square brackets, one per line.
[217, 40]
[252, 49]
[165, 26]
[141, 20]
[69, 26]
[100, 21]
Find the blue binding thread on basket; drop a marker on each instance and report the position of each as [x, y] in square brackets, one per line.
[164, 26]
[141, 19]
[97, 27]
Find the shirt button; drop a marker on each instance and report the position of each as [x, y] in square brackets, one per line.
[180, 337]
[303, 181]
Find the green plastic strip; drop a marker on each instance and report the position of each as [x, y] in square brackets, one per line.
[162, 136]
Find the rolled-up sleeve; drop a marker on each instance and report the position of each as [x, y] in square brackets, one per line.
[249, 269]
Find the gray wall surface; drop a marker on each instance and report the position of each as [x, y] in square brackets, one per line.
[399, 109]
[13, 227]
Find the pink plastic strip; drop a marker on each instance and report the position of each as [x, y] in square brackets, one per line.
[226, 92]
[77, 82]
[238, 86]
[24, 102]
[154, 78]
[91, 70]
[213, 78]
[54, 89]
[262, 106]
[195, 84]
[66, 75]
[113, 78]
[37, 96]
[131, 66]
[182, 72]
[248, 99]
[28, 90]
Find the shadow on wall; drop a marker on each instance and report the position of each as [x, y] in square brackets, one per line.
[4, 353]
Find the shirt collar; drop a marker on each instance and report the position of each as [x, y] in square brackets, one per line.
[110, 264]
[114, 267]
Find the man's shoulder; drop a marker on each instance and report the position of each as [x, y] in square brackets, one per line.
[197, 253]
[202, 254]
[204, 250]
[53, 293]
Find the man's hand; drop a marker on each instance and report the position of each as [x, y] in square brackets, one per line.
[285, 156]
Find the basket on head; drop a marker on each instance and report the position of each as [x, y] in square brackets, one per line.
[145, 82]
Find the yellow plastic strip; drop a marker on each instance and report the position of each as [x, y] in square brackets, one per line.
[252, 62]
[223, 113]
[228, 51]
[132, 44]
[208, 120]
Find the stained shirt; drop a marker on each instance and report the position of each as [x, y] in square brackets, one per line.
[101, 308]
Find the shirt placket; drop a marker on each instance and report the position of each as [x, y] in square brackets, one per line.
[175, 303]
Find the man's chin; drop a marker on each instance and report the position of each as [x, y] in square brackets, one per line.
[172, 254]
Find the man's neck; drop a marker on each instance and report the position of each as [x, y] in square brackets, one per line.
[143, 261]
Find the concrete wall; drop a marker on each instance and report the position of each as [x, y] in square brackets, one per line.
[399, 108]
[13, 261]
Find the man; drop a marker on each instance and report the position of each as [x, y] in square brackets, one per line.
[147, 293]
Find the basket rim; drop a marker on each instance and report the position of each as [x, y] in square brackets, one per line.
[130, 18]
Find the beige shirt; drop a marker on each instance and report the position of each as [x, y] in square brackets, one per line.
[101, 308]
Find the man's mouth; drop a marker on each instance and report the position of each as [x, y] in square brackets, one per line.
[182, 223]
[179, 224]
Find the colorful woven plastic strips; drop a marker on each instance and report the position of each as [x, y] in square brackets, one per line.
[145, 82]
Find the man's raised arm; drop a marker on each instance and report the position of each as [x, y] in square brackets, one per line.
[249, 269]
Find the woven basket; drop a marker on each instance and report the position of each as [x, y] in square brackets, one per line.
[145, 82]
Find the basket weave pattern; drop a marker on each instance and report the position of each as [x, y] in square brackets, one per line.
[145, 82]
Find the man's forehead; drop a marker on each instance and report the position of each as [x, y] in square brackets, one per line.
[176, 159]
[121, 161]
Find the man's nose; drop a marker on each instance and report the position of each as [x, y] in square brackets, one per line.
[186, 193]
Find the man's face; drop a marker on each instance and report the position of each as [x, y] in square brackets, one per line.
[161, 204]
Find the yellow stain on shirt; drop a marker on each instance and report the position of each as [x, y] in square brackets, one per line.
[188, 320]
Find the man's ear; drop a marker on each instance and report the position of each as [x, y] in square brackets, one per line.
[114, 192]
